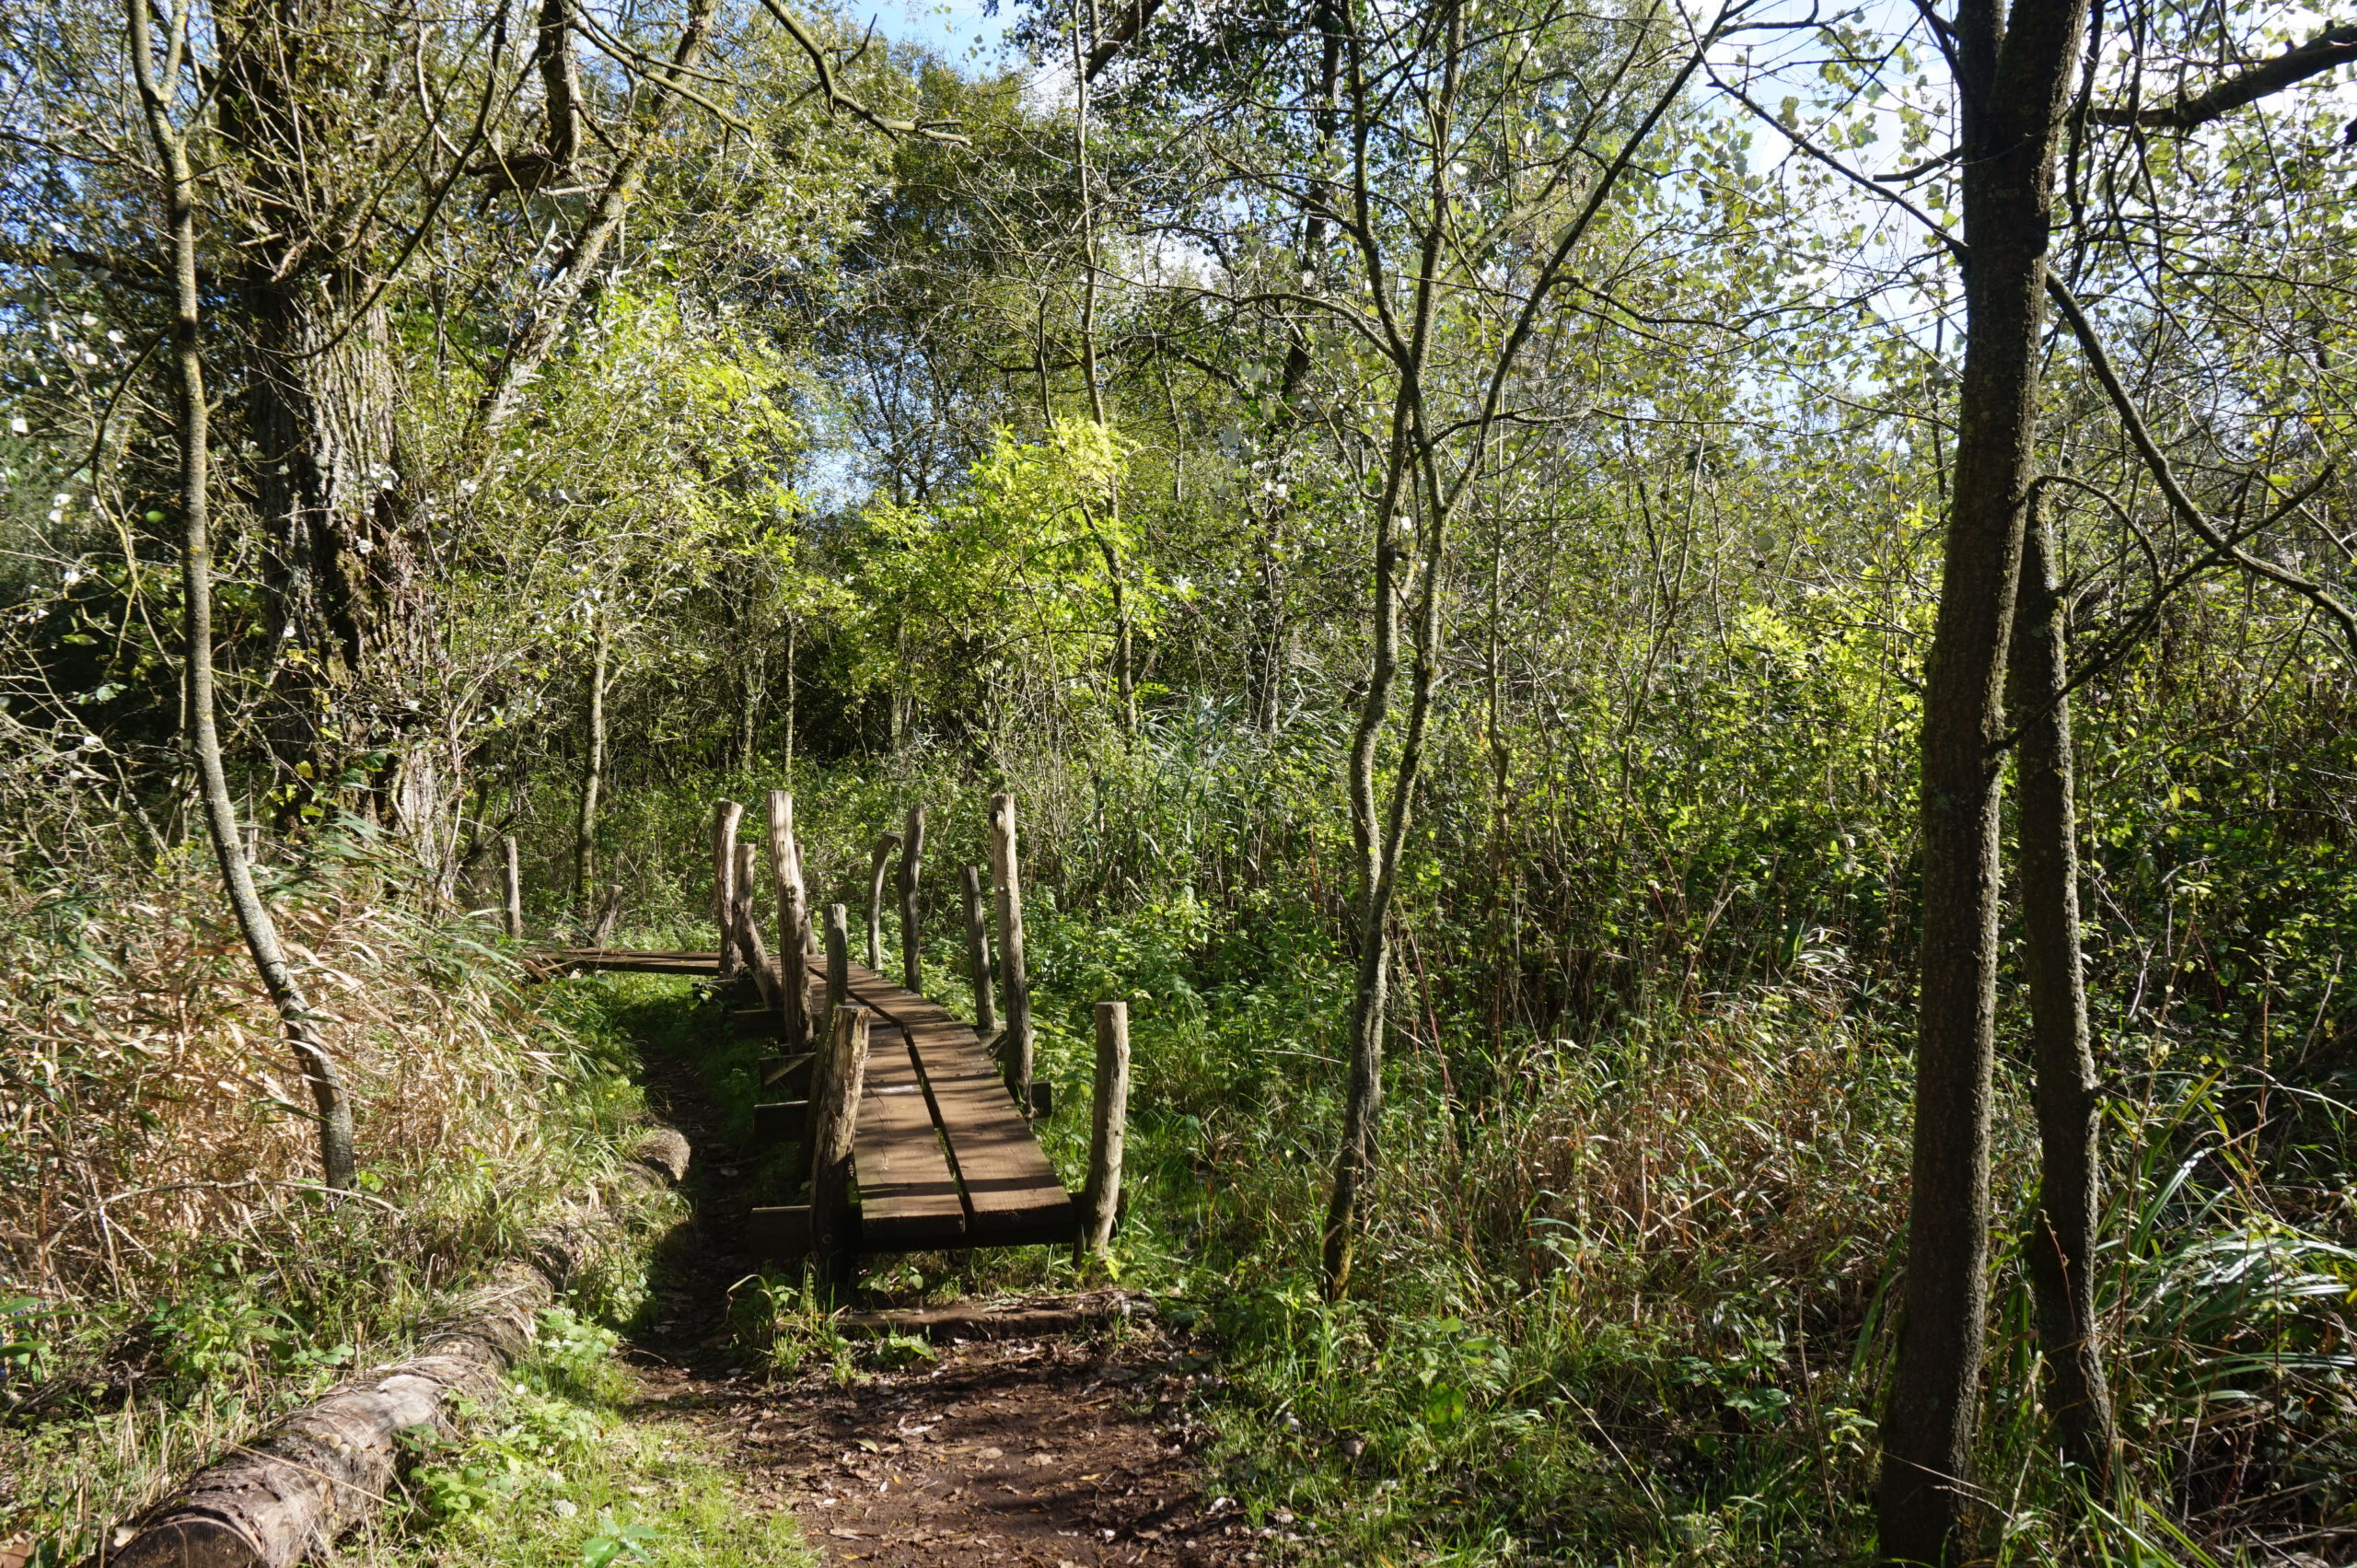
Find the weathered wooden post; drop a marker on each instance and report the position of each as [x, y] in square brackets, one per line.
[911, 867]
[802, 891]
[837, 962]
[750, 945]
[725, 818]
[1101, 1198]
[1015, 1050]
[512, 876]
[609, 911]
[835, 1118]
[793, 940]
[882, 856]
[978, 952]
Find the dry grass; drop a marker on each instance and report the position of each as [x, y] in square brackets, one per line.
[173, 1268]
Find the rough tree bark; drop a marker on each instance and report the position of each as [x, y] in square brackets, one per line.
[2060, 1246]
[2014, 75]
[912, 868]
[193, 436]
[345, 604]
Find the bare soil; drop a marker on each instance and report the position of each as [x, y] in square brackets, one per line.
[1048, 1452]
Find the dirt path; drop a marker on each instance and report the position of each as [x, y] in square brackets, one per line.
[1040, 1452]
[1043, 1452]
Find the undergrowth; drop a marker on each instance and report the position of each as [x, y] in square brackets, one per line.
[561, 1473]
[172, 1274]
[1630, 1305]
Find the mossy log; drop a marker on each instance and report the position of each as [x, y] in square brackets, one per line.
[293, 1491]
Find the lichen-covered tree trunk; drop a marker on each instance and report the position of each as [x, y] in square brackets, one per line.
[2014, 71]
[2061, 1245]
[342, 573]
[346, 601]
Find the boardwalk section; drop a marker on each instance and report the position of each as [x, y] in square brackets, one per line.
[943, 1156]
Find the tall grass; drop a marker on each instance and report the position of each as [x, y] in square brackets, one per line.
[1630, 1289]
[170, 1268]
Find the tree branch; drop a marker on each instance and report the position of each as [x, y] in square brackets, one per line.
[2334, 46]
[837, 99]
[2131, 419]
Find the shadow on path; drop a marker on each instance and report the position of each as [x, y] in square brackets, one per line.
[1054, 1452]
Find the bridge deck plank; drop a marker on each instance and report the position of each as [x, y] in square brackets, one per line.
[908, 1195]
[1012, 1195]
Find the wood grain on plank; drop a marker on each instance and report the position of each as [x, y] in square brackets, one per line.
[1011, 1191]
[1010, 1187]
[906, 1187]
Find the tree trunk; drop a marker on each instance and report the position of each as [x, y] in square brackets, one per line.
[725, 818]
[1014, 985]
[344, 601]
[1374, 833]
[592, 772]
[2060, 1246]
[194, 436]
[2012, 80]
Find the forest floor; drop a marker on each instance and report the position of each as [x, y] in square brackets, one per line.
[1048, 1451]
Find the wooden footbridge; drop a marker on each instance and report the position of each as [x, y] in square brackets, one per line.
[914, 1126]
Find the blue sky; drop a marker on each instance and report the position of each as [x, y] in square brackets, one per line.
[956, 28]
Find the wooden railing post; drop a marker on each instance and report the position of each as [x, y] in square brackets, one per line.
[513, 879]
[750, 945]
[835, 1118]
[802, 892]
[725, 818]
[1015, 990]
[882, 856]
[792, 939]
[838, 963]
[911, 867]
[978, 952]
[1100, 1199]
[610, 910]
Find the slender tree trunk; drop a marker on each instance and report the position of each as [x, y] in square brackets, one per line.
[1015, 982]
[792, 696]
[2013, 81]
[593, 771]
[2062, 1245]
[1380, 839]
[1124, 638]
[254, 922]
[880, 859]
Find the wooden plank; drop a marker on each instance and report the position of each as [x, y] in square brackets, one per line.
[997, 1320]
[621, 962]
[784, 1233]
[906, 1187]
[781, 1121]
[1013, 1195]
[792, 1071]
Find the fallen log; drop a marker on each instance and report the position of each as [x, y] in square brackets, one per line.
[1036, 1317]
[293, 1491]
